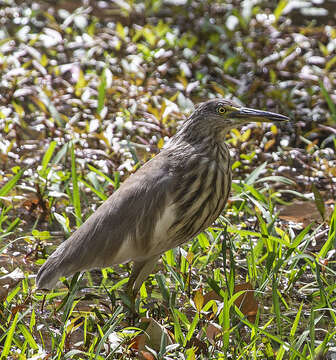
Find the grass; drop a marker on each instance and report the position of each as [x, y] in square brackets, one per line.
[294, 287]
[86, 98]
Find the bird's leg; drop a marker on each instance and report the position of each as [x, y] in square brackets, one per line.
[130, 292]
[140, 271]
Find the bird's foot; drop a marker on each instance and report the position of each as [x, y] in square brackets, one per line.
[131, 304]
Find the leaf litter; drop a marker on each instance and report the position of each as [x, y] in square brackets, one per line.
[114, 81]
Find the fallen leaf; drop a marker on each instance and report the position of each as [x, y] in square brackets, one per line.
[247, 302]
[213, 330]
[199, 300]
[151, 337]
[138, 342]
[211, 295]
[146, 355]
[303, 212]
[199, 346]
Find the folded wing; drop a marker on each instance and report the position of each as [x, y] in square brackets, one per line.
[121, 229]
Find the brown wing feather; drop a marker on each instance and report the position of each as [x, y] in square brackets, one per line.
[130, 214]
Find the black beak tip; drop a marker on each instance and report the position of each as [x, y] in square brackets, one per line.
[261, 115]
[279, 117]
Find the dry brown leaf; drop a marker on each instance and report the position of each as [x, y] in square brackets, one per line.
[211, 295]
[213, 330]
[151, 337]
[247, 302]
[138, 343]
[146, 355]
[199, 346]
[303, 212]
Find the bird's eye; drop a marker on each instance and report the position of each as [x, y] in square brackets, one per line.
[221, 109]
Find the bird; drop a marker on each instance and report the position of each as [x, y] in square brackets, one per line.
[169, 200]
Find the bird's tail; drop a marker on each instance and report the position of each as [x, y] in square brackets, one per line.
[53, 269]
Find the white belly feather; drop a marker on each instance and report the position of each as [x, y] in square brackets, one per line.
[128, 252]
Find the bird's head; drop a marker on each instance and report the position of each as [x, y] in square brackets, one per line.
[214, 118]
[224, 115]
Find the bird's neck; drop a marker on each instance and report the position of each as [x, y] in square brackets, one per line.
[198, 136]
[189, 143]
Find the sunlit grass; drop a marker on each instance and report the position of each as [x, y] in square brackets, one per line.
[76, 118]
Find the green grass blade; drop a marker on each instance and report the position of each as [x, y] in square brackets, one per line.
[178, 334]
[101, 92]
[101, 195]
[331, 241]
[100, 173]
[279, 9]
[75, 188]
[28, 336]
[11, 295]
[295, 323]
[161, 280]
[191, 329]
[297, 241]
[226, 322]
[276, 303]
[280, 353]
[13, 225]
[268, 334]
[51, 108]
[183, 318]
[276, 178]
[329, 101]
[116, 180]
[312, 328]
[47, 157]
[163, 344]
[9, 338]
[319, 202]
[109, 327]
[11, 183]
[324, 345]
[32, 322]
[61, 154]
[251, 178]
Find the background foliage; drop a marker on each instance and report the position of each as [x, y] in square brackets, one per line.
[91, 90]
